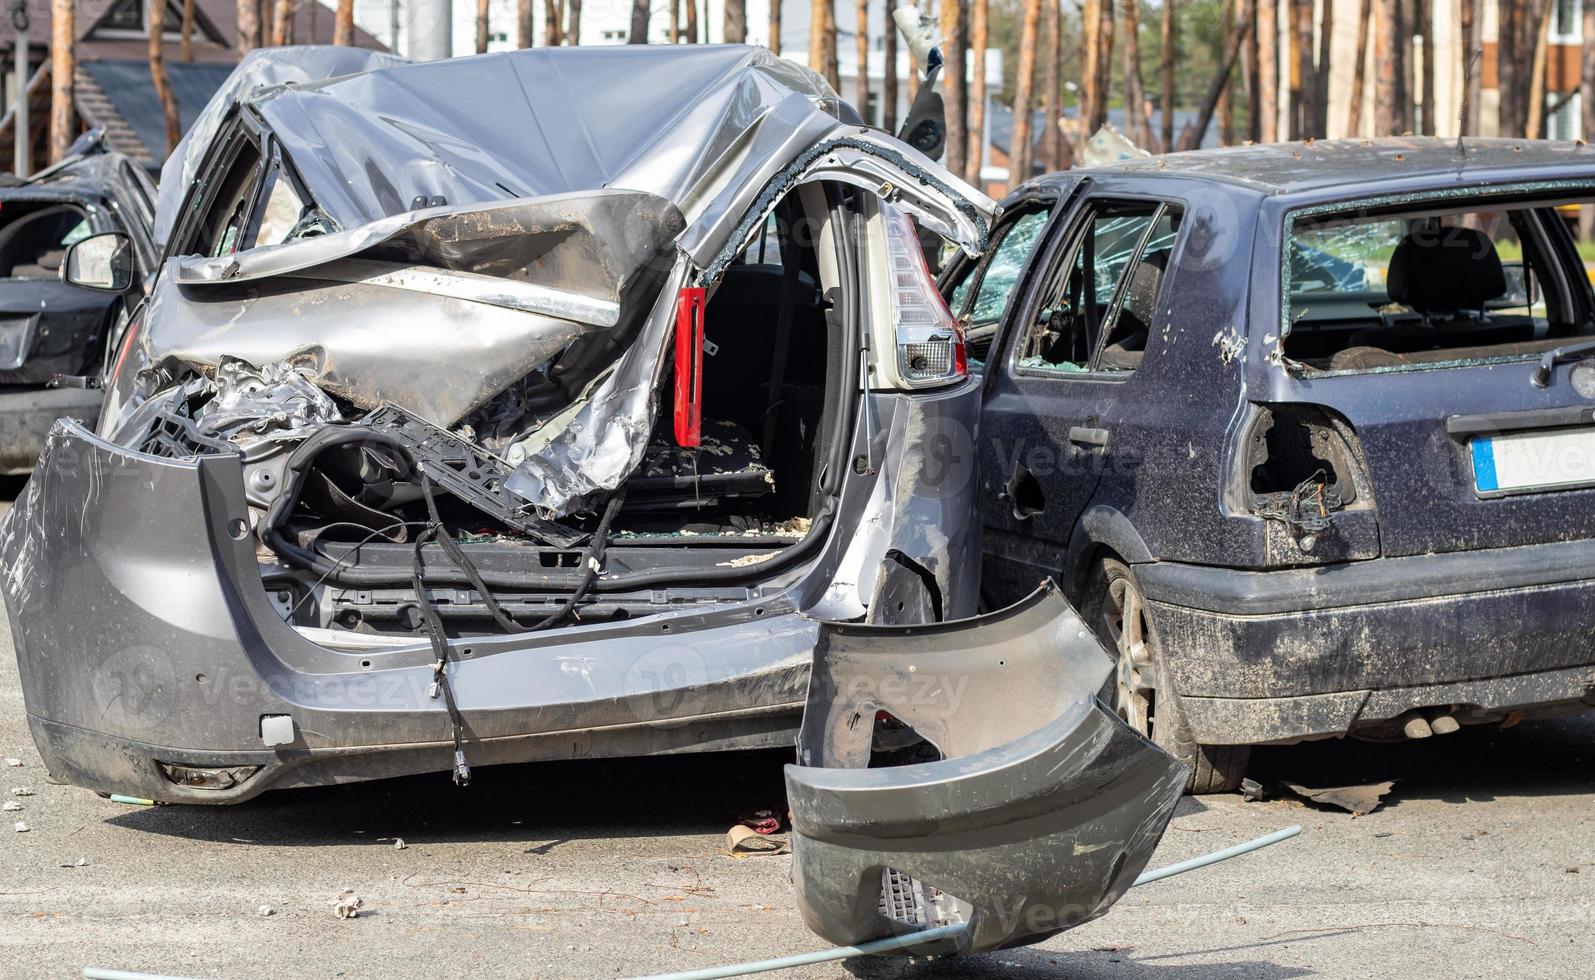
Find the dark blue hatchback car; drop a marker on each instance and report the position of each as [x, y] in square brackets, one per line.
[1306, 431]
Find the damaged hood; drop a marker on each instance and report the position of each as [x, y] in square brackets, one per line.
[529, 248]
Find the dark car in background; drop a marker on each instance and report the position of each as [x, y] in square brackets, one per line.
[54, 335]
[1306, 432]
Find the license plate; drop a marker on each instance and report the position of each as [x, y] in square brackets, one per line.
[1532, 461]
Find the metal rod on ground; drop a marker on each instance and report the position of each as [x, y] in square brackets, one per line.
[944, 932]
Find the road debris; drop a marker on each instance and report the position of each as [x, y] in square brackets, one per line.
[743, 841]
[16, 763]
[399, 844]
[762, 821]
[347, 905]
[21, 791]
[1359, 801]
[11, 806]
[266, 910]
[81, 862]
[22, 828]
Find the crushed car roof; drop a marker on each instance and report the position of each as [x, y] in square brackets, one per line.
[1283, 168]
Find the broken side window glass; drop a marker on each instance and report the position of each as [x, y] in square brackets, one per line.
[1434, 283]
[1083, 293]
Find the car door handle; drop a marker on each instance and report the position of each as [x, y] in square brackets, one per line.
[1082, 436]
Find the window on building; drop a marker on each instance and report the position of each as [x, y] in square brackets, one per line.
[1567, 22]
[1564, 121]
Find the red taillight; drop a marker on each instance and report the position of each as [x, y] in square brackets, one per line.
[689, 365]
[930, 342]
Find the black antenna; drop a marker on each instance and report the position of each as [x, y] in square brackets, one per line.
[1467, 86]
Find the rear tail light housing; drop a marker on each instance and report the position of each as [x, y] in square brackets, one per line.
[930, 341]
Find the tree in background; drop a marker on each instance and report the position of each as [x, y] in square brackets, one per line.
[1166, 55]
[1472, 84]
[553, 18]
[1135, 125]
[1390, 47]
[343, 23]
[163, 84]
[691, 7]
[1226, 100]
[573, 14]
[63, 69]
[979, 39]
[889, 79]
[775, 26]
[1020, 147]
[186, 44]
[736, 21]
[481, 26]
[248, 26]
[1051, 107]
[1267, 70]
[282, 22]
[954, 30]
[861, 50]
[526, 23]
[1359, 71]
[639, 21]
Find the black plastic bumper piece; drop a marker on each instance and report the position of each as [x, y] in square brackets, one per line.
[1041, 813]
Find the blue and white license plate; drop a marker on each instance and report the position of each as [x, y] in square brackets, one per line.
[1528, 462]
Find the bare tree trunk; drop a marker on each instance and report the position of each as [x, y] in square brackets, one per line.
[735, 28]
[1426, 96]
[1251, 71]
[1388, 44]
[1534, 121]
[1167, 57]
[1090, 52]
[1104, 63]
[861, 51]
[248, 26]
[282, 22]
[573, 20]
[1473, 84]
[1303, 73]
[979, 30]
[1051, 96]
[675, 21]
[1359, 72]
[266, 21]
[1326, 32]
[775, 26]
[1019, 153]
[1226, 97]
[692, 20]
[1586, 214]
[186, 47]
[63, 69]
[481, 26]
[954, 32]
[163, 84]
[553, 17]
[1191, 138]
[1268, 70]
[889, 80]
[639, 21]
[1135, 125]
[343, 23]
[527, 21]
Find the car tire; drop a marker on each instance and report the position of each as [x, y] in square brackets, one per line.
[1140, 691]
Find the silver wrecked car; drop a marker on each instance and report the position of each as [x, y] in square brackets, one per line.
[557, 404]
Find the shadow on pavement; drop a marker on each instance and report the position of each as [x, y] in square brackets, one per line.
[543, 804]
[1535, 758]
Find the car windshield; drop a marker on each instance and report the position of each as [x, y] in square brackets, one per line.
[1370, 288]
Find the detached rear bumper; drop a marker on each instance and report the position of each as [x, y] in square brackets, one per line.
[1267, 656]
[1044, 808]
[26, 415]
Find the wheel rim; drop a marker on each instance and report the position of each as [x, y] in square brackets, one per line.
[1124, 617]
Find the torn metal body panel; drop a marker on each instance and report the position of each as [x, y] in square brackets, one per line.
[437, 310]
[1041, 812]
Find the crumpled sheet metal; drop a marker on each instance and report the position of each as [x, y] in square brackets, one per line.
[1044, 807]
[276, 402]
[260, 69]
[650, 118]
[535, 278]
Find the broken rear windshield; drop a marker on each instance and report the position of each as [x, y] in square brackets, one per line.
[1436, 283]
